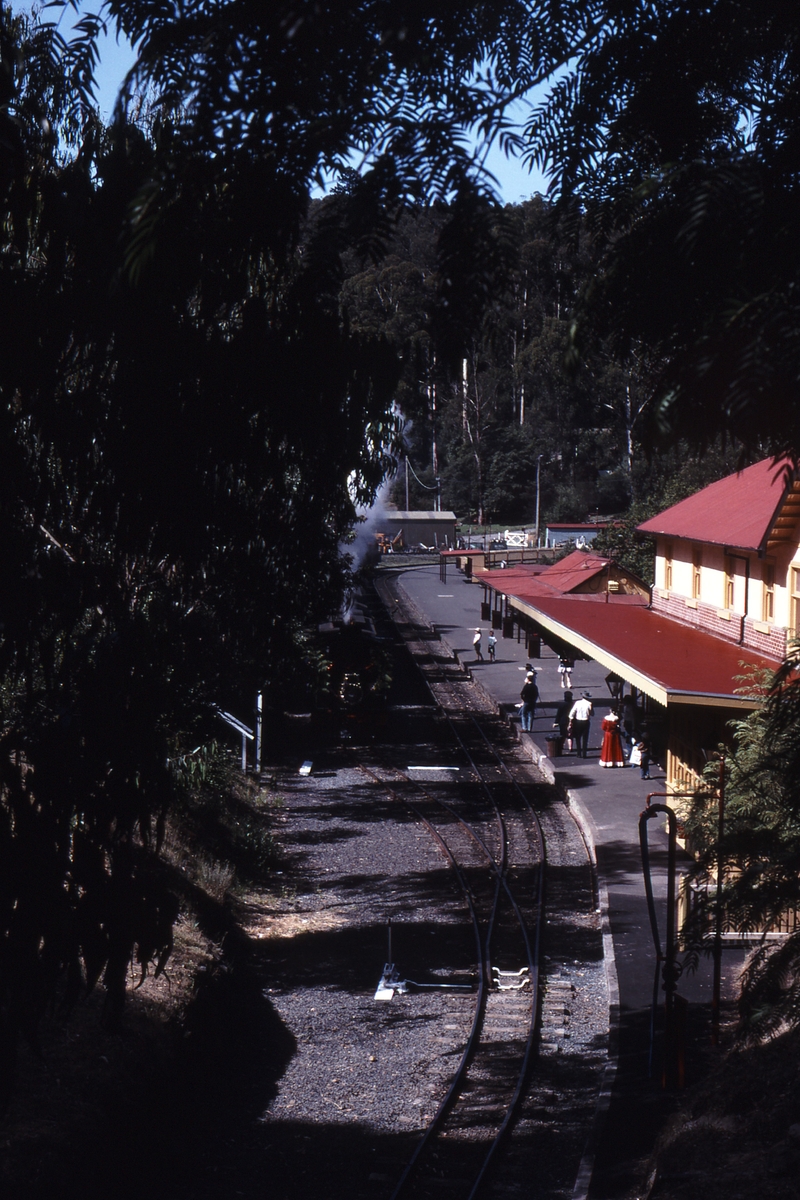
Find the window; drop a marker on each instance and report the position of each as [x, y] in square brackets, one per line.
[768, 607]
[795, 599]
[697, 562]
[668, 565]
[730, 577]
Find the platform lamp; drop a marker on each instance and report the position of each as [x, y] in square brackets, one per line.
[615, 685]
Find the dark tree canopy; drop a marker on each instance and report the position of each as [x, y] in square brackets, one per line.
[188, 418]
[291, 89]
[183, 436]
[192, 401]
[677, 126]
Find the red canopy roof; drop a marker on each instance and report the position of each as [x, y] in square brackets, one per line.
[739, 510]
[573, 570]
[557, 579]
[667, 660]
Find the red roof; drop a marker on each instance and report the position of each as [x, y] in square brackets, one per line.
[557, 579]
[575, 569]
[739, 510]
[661, 655]
[678, 659]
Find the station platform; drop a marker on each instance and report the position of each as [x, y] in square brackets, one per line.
[607, 803]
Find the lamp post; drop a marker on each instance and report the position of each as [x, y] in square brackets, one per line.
[615, 685]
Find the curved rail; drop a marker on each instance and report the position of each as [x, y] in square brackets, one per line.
[533, 960]
[477, 1021]
[439, 683]
[498, 865]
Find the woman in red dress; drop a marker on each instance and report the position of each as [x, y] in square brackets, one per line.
[611, 754]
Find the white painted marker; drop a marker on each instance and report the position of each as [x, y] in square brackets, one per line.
[433, 768]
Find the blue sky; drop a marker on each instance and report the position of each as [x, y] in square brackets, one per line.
[515, 182]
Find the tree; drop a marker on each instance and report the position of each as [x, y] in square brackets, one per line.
[676, 126]
[188, 418]
[185, 437]
[760, 847]
[664, 480]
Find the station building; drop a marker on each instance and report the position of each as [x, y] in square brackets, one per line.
[725, 601]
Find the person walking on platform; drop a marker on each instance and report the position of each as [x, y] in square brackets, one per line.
[476, 644]
[529, 696]
[611, 752]
[565, 669]
[580, 717]
[491, 646]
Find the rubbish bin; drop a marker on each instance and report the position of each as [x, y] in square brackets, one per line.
[555, 745]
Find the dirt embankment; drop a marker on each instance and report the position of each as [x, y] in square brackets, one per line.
[737, 1135]
[107, 1113]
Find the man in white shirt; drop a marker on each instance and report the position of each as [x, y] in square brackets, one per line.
[580, 716]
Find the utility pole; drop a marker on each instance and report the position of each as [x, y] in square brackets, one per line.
[407, 508]
[434, 446]
[464, 395]
[538, 494]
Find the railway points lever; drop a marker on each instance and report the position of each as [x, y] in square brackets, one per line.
[391, 984]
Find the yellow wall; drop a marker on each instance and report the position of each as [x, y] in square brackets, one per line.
[713, 578]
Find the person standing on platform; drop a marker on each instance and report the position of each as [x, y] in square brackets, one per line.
[476, 644]
[565, 668]
[611, 752]
[529, 696]
[491, 646]
[629, 718]
[562, 722]
[645, 751]
[580, 717]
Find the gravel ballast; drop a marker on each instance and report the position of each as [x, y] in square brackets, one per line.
[367, 1075]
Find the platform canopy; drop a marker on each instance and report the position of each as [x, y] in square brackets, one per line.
[674, 664]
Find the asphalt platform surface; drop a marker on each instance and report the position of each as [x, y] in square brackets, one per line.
[609, 803]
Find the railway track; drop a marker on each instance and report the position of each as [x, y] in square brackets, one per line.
[525, 1034]
[489, 832]
[493, 841]
[375, 1087]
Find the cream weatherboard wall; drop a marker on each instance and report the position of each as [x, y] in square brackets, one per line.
[737, 581]
[732, 593]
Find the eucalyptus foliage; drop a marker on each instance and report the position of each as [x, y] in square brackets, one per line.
[677, 126]
[759, 851]
[187, 418]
